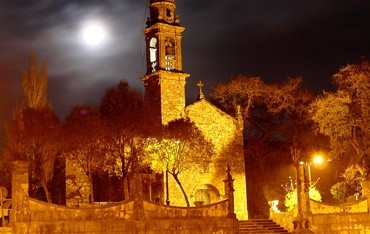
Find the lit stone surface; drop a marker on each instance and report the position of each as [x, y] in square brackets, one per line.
[77, 185]
[36, 217]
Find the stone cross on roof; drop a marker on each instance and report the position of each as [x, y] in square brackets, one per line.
[200, 95]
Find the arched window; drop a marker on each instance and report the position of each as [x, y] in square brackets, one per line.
[153, 54]
[170, 53]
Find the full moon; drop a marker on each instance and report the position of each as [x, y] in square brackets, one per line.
[93, 34]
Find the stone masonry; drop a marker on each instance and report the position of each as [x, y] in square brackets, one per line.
[36, 217]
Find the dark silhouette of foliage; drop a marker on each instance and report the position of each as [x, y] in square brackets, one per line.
[129, 127]
[85, 132]
[344, 116]
[5, 171]
[36, 136]
[276, 119]
[34, 84]
[276, 115]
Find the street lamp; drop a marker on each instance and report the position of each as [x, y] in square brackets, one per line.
[318, 159]
[304, 211]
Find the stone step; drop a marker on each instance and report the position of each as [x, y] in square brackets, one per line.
[260, 226]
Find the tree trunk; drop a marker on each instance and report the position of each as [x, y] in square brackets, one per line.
[126, 195]
[43, 185]
[125, 187]
[91, 188]
[182, 189]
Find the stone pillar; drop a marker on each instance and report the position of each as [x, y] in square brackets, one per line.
[301, 223]
[20, 197]
[229, 191]
[365, 185]
[137, 192]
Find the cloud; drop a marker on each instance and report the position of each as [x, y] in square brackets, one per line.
[269, 38]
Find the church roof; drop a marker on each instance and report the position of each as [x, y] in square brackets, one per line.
[206, 106]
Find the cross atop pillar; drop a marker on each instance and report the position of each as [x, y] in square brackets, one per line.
[200, 95]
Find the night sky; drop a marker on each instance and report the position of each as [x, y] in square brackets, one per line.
[267, 38]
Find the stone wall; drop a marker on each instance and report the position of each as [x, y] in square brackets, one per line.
[130, 217]
[6, 230]
[120, 218]
[350, 223]
[172, 95]
[349, 218]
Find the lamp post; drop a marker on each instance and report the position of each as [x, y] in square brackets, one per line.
[167, 195]
[301, 222]
[317, 160]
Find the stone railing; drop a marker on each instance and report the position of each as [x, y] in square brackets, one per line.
[123, 217]
[137, 216]
[360, 206]
[6, 230]
[42, 211]
[216, 210]
[327, 218]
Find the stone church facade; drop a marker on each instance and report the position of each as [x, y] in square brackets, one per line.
[164, 84]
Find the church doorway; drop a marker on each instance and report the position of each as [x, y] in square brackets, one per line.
[205, 194]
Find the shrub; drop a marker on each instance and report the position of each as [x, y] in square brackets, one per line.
[291, 197]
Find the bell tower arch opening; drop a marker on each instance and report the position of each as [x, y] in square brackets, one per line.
[153, 54]
[170, 53]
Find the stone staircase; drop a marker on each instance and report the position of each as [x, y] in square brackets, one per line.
[260, 226]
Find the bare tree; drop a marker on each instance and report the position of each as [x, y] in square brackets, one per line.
[276, 115]
[85, 133]
[182, 147]
[35, 128]
[35, 136]
[129, 127]
[34, 83]
[344, 116]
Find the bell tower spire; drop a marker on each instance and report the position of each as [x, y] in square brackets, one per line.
[164, 80]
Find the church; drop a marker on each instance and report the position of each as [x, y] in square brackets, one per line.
[164, 84]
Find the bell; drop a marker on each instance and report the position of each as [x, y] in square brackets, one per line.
[170, 51]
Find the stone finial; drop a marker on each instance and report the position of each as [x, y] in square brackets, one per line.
[200, 95]
[177, 19]
[229, 191]
[148, 23]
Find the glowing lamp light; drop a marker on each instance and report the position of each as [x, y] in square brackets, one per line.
[318, 159]
[320, 162]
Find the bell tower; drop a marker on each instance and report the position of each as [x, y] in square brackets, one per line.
[164, 80]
